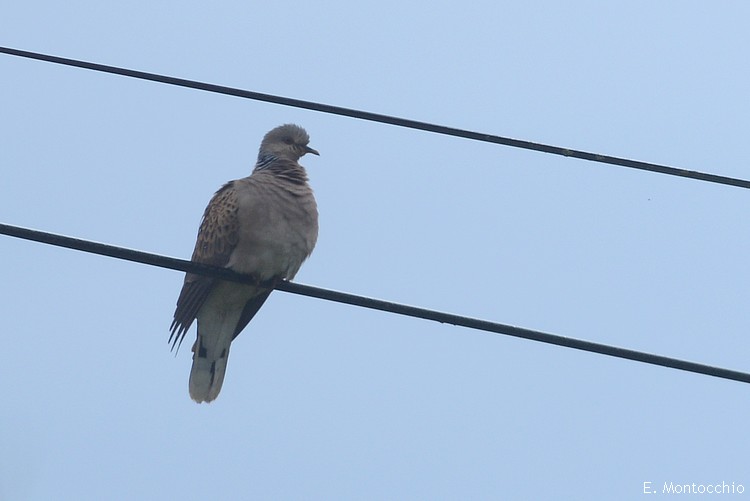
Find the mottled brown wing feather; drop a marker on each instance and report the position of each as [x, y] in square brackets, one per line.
[217, 238]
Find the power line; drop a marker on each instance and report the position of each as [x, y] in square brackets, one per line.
[376, 117]
[366, 302]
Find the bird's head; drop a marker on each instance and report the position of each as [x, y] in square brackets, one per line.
[287, 141]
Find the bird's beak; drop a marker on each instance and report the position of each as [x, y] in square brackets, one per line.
[310, 150]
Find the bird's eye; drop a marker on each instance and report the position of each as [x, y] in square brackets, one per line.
[288, 140]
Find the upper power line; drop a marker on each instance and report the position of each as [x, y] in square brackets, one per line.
[376, 117]
[376, 304]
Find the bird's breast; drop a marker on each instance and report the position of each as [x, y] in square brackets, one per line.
[281, 231]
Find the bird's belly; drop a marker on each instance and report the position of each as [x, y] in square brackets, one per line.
[269, 258]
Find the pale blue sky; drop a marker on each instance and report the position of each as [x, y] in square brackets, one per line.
[325, 401]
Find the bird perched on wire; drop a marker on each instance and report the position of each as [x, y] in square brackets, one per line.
[264, 225]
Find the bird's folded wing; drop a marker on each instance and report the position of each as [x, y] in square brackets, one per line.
[217, 238]
[249, 311]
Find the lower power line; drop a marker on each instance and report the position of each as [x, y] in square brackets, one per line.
[366, 302]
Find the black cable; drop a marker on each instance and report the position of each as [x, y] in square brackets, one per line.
[375, 117]
[375, 304]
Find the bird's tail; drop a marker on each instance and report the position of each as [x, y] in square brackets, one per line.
[209, 367]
